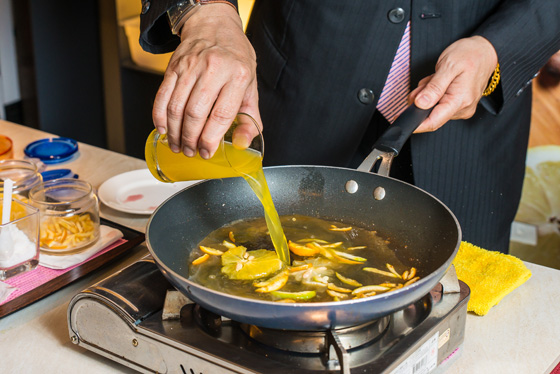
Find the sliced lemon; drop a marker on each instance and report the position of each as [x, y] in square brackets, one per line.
[540, 206]
[238, 263]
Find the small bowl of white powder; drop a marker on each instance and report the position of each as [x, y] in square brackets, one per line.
[19, 240]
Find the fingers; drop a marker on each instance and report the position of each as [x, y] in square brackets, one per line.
[159, 111]
[222, 114]
[176, 108]
[437, 118]
[250, 105]
[455, 89]
[245, 132]
[434, 89]
[205, 82]
[412, 96]
[196, 106]
[431, 91]
[195, 116]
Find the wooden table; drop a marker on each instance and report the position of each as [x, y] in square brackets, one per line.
[93, 164]
[520, 335]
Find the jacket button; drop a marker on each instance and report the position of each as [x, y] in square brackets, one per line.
[145, 7]
[366, 96]
[396, 15]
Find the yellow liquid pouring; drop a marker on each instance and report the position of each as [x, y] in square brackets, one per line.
[168, 166]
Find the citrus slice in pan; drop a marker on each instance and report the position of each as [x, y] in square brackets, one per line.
[238, 263]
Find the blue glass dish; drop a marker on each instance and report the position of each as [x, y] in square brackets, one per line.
[58, 174]
[52, 150]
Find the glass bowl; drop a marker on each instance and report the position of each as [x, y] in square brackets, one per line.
[69, 211]
[25, 175]
[19, 240]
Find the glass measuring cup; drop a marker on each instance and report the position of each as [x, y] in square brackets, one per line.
[228, 161]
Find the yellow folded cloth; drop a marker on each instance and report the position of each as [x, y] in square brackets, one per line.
[490, 275]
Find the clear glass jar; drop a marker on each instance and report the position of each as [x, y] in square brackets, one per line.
[25, 175]
[19, 240]
[69, 211]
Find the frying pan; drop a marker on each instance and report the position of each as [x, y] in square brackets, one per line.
[424, 232]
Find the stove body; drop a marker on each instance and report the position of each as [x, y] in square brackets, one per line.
[121, 318]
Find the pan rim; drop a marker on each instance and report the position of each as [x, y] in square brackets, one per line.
[310, 305]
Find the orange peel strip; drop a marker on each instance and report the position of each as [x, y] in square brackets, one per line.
[300, 268]
[334, 228]
[302, 250]
[348, 281]
[211, 251]
[201, 259]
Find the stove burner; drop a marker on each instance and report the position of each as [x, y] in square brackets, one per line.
[296, 341]
[338, 349]
[316, 341]
[426, 332]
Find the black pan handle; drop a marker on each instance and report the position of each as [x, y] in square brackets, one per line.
[398, 133]
[391, 142]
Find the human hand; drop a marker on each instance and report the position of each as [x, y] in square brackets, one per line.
[456, 87]
[209, 79]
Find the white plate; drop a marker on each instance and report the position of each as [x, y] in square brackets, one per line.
[137, 192]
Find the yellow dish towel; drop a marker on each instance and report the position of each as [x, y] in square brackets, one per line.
[490, 275]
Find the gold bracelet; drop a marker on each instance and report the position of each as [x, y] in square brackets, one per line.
[493, 82]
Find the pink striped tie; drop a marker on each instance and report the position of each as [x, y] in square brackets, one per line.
[393, 100]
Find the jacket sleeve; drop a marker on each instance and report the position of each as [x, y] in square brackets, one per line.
[155, 32]
[525, 34]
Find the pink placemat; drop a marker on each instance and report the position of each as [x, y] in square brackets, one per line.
[32, 279]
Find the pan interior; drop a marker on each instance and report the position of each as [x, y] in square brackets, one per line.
[422, 231]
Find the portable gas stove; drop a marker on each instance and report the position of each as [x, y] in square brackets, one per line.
[121, 318]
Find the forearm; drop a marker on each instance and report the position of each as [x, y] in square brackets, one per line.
[155, 32]
[524, 34]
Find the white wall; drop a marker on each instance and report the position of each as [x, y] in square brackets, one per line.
[9, 86]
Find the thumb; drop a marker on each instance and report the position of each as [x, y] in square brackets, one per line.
[250, 124]
[246, 131]
[433, 91]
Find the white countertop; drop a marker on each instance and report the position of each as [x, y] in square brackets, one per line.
[520, 335]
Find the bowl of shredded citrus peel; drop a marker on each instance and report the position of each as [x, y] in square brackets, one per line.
[69, 212]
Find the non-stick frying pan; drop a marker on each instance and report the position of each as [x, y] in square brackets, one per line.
[423, 231]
